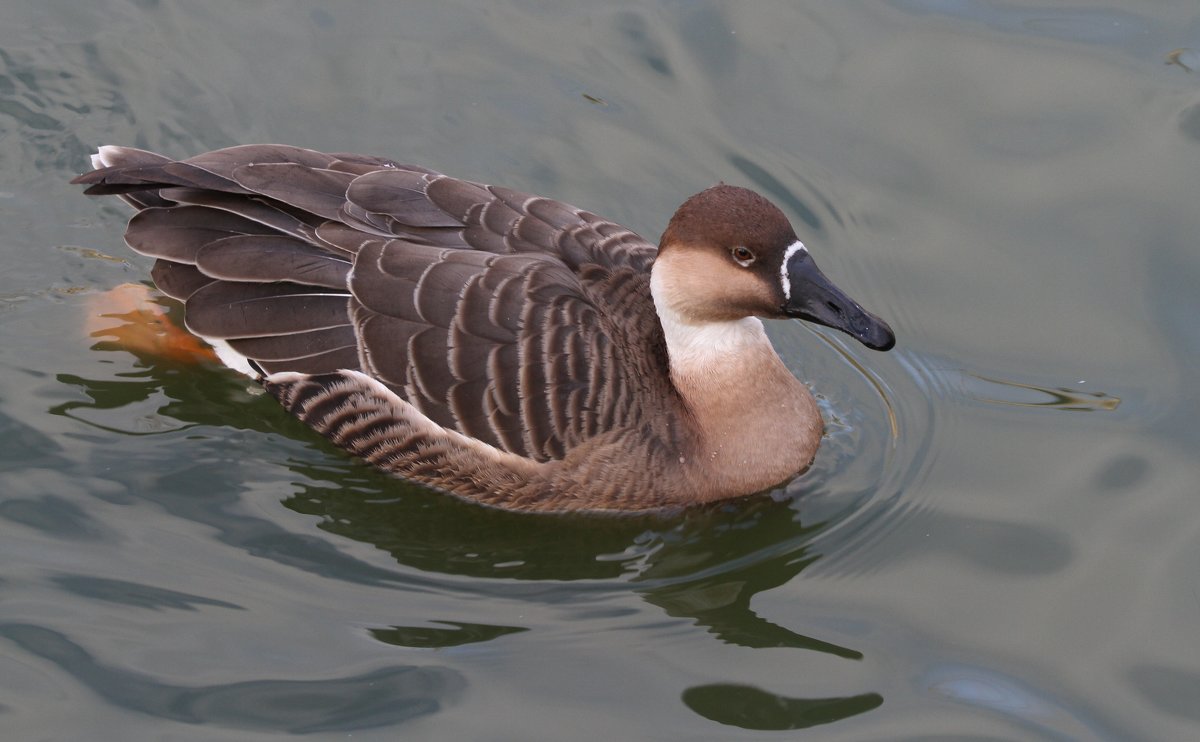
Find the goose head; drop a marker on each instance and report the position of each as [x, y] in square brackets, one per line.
[729, 254]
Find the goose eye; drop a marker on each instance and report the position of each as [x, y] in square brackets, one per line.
[743, 255]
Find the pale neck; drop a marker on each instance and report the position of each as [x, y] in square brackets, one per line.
[757, 425]
[700, 347]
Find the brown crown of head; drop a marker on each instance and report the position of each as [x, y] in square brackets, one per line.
[726, 216]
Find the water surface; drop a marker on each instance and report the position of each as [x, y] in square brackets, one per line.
[998, 540]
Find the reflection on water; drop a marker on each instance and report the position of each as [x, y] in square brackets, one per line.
[54, 516]
[382, 697]
[753, 708]
[1058, 398]
[942, 380]
[1034, 709]
[1187, 59]
[428, 637]
[722, 605]
[1171, 688]
[1071, 24]
[135, 594]
[436, 533]
[705, 565]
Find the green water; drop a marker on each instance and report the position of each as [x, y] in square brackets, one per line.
[1000, 538]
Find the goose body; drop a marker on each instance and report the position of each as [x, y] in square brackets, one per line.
[506, 348]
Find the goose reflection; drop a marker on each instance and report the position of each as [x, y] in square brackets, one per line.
[704, 566]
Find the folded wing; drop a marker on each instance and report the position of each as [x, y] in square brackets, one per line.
[513, 319]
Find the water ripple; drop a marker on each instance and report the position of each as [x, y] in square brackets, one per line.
[384, 697]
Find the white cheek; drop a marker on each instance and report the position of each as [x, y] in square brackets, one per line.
[793, 248]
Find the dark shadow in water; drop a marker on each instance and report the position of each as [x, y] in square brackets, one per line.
[643, 44]
[29, 503]
[705, 564]
[1172, 690]
[380, 698]
[52, 515]
[436, 533]
[185, 388]
[991, 545]
[428, 637]
[195, 489]
[748, 707]
[1123, 473]
[135, 594]
[1189, 121]
[725, 569]
[26, 446]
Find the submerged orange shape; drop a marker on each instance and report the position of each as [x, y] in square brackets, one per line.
[129, 317]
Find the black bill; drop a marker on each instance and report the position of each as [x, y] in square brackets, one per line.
[813, 297]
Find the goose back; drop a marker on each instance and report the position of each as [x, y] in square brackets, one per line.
[513, 320]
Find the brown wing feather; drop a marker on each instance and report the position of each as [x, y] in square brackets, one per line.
[514, 319]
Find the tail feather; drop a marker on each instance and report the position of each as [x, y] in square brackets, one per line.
[112, 175]
[111, 155]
